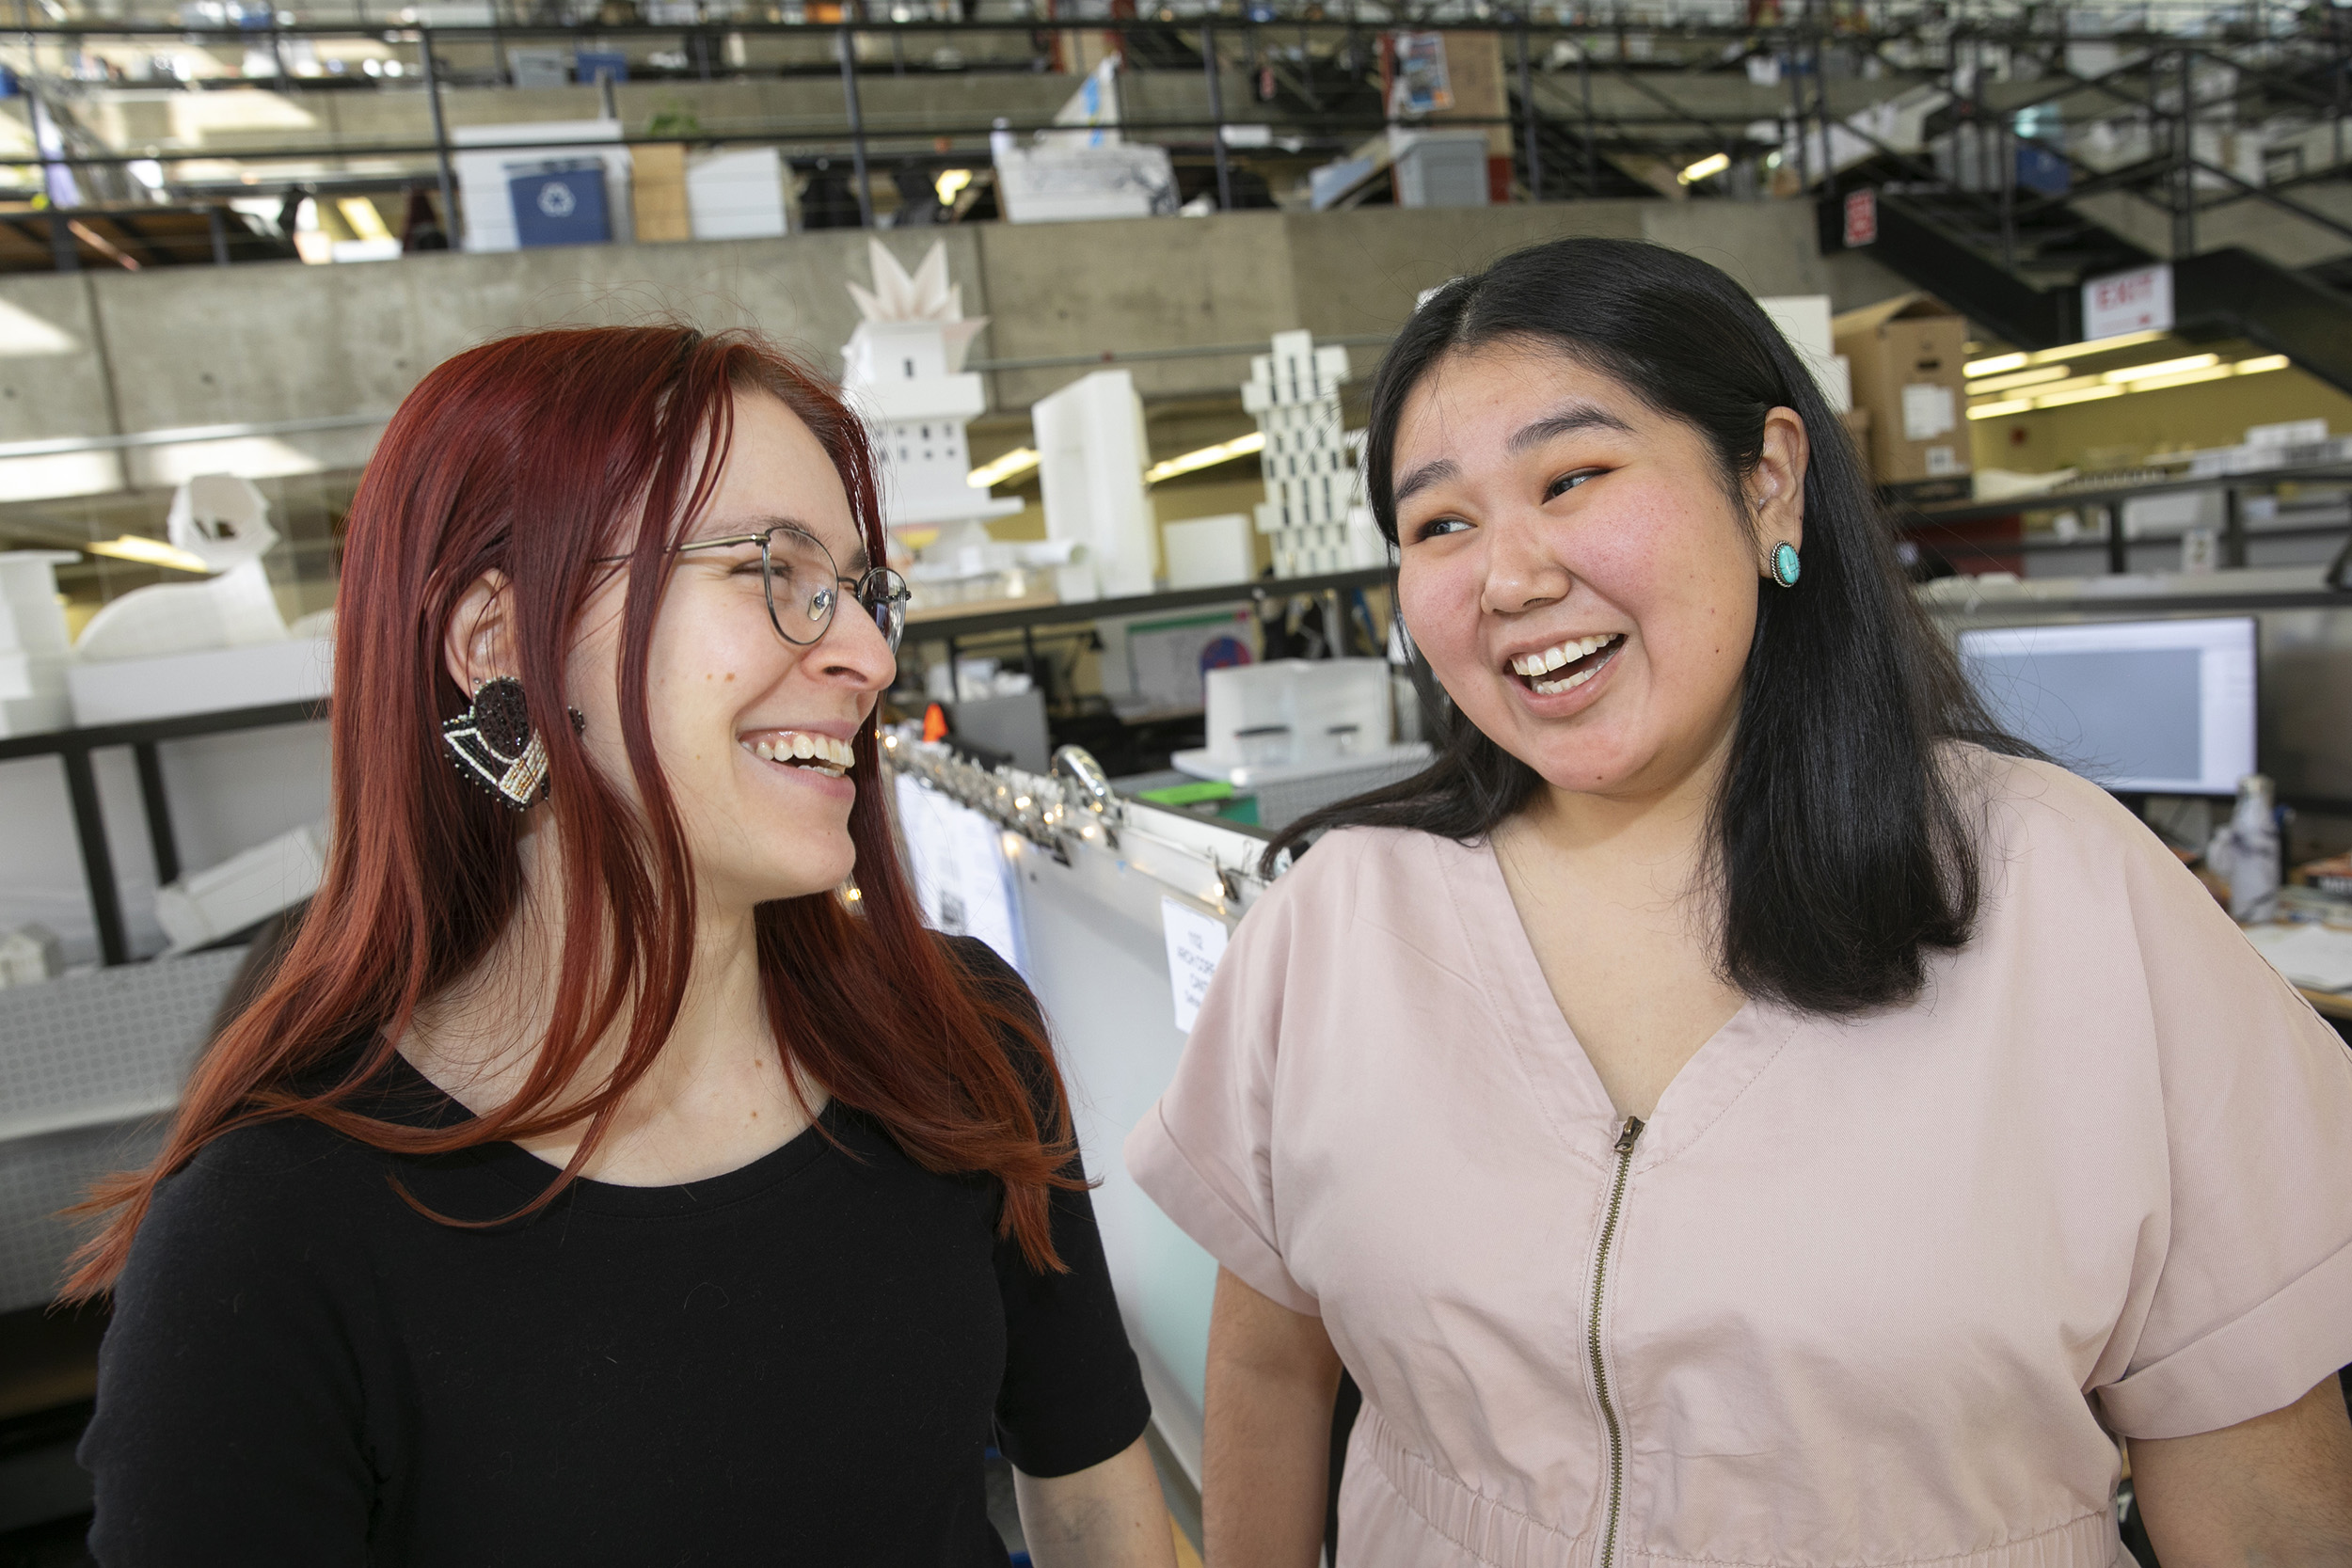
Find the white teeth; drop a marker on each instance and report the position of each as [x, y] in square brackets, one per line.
[1535, 665]
[824, 753]
[1552, 689]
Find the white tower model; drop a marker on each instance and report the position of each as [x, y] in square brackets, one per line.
[1092, 455]
[904, 369]
[1310, 512]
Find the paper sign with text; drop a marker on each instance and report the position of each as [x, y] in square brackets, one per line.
[1195, 943]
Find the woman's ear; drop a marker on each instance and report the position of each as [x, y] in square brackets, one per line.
[1777, 487]
[480, 643]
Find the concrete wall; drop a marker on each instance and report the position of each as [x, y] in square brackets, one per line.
[793, 109]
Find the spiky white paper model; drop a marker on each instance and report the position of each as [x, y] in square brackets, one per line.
[904, 369]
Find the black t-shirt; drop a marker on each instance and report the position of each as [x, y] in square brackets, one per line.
[800, 1361]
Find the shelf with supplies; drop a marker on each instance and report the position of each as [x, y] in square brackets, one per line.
[949, 625]
[2106, 502]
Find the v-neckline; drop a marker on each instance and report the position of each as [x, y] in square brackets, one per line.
[1558, 1070]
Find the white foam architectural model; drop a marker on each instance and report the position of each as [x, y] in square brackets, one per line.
[1092, 455]
[243, 890]
[29, 955]
[1310, 514]
[903, 367]
[34, 650]
[224, 522]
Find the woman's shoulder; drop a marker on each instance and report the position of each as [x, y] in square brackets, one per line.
[267, 1200]
[2047, 835]
[1357, 861]
[272, 1169]
[2016, 802]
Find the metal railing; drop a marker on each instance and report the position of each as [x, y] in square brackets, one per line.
[2003, 74]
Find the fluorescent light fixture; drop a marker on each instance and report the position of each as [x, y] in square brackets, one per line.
[2023, 378]
[1994, 410]
[1995, 365]
[2163, 367]
[1706, 169]
[365, 221]
[996, 470]
[1207, 458]
[2080, 394]
[2256, 367]
[2183, 378]
[2000, 362]
[149, 552]
[2071, 383]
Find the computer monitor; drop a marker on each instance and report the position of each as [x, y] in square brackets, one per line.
[2152, 708]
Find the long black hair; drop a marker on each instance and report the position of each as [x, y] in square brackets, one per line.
[1840, 851]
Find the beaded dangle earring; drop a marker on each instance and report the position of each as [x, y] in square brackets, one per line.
[494, 744]
[1785, 565]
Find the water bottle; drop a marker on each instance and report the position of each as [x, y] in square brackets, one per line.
[2246, 851]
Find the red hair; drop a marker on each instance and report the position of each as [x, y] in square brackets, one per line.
[531, 456]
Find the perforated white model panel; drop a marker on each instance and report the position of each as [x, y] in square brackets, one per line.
[39, 1177]
[88, 1066]
[106, 1046]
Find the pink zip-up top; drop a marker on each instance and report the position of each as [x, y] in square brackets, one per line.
[1861, 1292]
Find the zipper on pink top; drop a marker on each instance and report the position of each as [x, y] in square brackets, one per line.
[1600, 1371]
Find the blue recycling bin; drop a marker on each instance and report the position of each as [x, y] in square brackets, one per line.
[560, 203]
[589, 64]
[2040, 169]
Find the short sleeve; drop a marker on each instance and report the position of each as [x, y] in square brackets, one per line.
[1072, 1395]
[230, 1413]
[1204, 1153]
[2247, 1304]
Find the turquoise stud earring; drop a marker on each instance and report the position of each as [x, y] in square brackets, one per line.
[1785, 565]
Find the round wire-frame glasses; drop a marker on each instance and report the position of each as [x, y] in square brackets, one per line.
[804, 587]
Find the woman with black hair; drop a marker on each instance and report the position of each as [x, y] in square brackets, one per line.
[1736, 1107]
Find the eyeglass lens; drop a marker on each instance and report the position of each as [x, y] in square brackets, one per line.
[804, 585]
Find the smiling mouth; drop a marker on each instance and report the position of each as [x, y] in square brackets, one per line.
[1567, 666]
[818, 754]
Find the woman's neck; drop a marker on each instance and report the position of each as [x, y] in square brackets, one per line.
[1661, 823]
[716, 1092]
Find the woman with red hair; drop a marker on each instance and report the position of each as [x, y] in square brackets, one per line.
[596, 1180]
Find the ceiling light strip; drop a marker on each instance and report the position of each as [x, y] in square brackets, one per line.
[1224, 452]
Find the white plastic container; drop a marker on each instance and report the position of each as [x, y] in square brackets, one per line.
[1332, 709]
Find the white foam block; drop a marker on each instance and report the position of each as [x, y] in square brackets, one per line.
[119, 692]
[1202, 552]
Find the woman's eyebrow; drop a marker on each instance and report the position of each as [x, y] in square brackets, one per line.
[856, 563]
[1576, 417]
[1423, 477]
[1568, 422]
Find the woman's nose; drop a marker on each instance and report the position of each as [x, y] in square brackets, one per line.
[854, 650]
[1522, 571]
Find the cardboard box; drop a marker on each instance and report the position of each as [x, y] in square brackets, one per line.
[1906, 355]
[659, 192]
